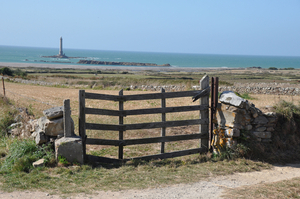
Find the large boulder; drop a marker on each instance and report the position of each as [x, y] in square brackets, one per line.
[70, 148]
[53, 127]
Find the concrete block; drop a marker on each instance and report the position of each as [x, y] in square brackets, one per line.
[71, 148]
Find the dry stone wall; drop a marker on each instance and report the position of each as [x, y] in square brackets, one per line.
[235, 114]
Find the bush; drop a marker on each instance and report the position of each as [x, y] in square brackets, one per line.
[6, 71]
[20, 73]
[22, 153]
[287, 109]
[273, 68]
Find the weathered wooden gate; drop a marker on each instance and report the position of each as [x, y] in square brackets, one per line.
[203, 122]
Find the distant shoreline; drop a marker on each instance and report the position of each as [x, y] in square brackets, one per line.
[102, 67]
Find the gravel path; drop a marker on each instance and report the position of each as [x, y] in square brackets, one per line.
[212, 188]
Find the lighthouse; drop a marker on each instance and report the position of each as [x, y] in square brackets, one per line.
[60, 48]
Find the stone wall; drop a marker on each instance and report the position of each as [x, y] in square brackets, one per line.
[235, 115]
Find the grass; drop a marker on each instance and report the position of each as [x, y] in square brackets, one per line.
[132, 175]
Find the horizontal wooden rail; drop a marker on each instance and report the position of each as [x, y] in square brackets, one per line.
[125, 113]
[151, 125]
[94, 141]
[144, 96]
[150, 157]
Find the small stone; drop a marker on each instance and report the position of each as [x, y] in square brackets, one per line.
[39, 163]
[248, 127]
[270, 129]
[261, 120]
[264, 134]
[261, 129]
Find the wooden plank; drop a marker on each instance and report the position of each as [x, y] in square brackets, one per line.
[151, 125]
[121, 121]
[204, 114]
[92, 158]
[166, 110]
[162, 139]
[95, 141]
[171, 154]
[147, 96]
[160, 95]
[103, 96]
[108, 127]
[125, 113]
[163, 119]
[81, 120]
[96, 111]
[165, 124]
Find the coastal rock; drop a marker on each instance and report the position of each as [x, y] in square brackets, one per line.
[120, 63]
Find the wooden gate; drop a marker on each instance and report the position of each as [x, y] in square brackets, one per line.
[203, 122]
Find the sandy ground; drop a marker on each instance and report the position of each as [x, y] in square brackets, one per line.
[211, 188]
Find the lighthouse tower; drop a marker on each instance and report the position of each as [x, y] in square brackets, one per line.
[60, 48]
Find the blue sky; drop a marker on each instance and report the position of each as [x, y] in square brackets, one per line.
[246, 27]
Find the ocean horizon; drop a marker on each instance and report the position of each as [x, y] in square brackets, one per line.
[15, 54]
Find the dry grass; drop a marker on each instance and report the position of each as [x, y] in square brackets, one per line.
[262, 101]
[33, 96]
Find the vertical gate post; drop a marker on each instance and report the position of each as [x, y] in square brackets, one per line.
[81, 120]
[3, 86]
[212, 101]
[121, 122]
[163, 119]
[204, 114]
[67, 118]
[214, 105]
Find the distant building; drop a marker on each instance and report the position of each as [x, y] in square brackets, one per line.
[61, 54]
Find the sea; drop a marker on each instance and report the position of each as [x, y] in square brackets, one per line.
[16, 54]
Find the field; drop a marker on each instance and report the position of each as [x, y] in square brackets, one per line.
[38, 98]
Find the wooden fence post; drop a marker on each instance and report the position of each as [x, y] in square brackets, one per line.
[67, 118]
[3, 86]
[81, 120]
[163, 119]
[121, 122]
[204, 83]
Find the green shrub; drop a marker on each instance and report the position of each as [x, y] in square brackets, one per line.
[287, 109]
[20, 73]
[22, 153]
[273, 68]
[6, 71]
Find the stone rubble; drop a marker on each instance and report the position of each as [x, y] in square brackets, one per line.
[235, 115]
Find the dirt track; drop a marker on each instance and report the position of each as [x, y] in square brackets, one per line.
[212, 188]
